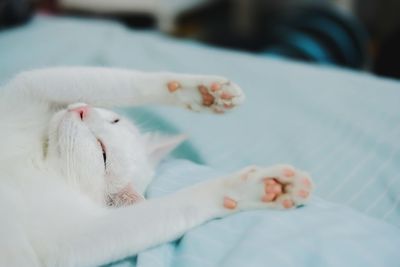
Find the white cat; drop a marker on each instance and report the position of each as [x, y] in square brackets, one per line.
[73, 176]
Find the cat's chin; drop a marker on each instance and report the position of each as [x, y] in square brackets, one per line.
[74, 150]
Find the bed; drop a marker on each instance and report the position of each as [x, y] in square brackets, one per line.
[340, 125]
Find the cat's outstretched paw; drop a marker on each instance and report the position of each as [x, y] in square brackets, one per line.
[207, 94]
[280, 186]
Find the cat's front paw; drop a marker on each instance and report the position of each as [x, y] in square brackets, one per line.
[280, 187]
[207, 93]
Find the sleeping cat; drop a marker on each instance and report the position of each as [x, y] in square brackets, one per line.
[73, 175]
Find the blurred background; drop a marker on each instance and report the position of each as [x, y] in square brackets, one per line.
[357, 34]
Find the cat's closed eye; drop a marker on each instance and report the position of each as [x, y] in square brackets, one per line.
[115, 121]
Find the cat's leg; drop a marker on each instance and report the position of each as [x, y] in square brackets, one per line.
[15, 248]
[118, 87]
[127, 231]
[16, 251]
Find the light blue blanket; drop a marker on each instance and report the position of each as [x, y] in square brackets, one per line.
[341, 126]
[319, 234]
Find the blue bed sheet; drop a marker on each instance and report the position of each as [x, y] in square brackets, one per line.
[319, 234]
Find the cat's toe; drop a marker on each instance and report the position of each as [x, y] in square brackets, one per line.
[227, 95]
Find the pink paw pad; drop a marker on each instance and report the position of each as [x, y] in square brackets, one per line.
[226, 96]
[277, 189]
[203, 89]
[287, 203]
[268, 197]
[215, 87]
[269, 184]
[173, 86]
[288, 172]
[306, 182]
[273, 189]
[230, 203]
[228, 106]
[208, 99]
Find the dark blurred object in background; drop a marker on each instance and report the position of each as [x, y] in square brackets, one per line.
[319, 33]
[313, 31]
[387, 62]
[382, 19]
[359, 34]
[142, 13]
[15, 12]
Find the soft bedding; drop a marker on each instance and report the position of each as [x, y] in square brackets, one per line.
[341, 126]
[320, 234]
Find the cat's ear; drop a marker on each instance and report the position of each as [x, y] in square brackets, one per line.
[158, 146]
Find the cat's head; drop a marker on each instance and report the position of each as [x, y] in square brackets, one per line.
[103, 154]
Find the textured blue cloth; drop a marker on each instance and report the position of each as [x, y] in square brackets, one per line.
[341, 126]
[319, 234]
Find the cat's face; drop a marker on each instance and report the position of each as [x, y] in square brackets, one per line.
[103, 154]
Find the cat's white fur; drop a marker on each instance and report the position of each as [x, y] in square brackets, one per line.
[62, 205]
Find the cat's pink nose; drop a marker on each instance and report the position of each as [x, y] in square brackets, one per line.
[82, 111]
